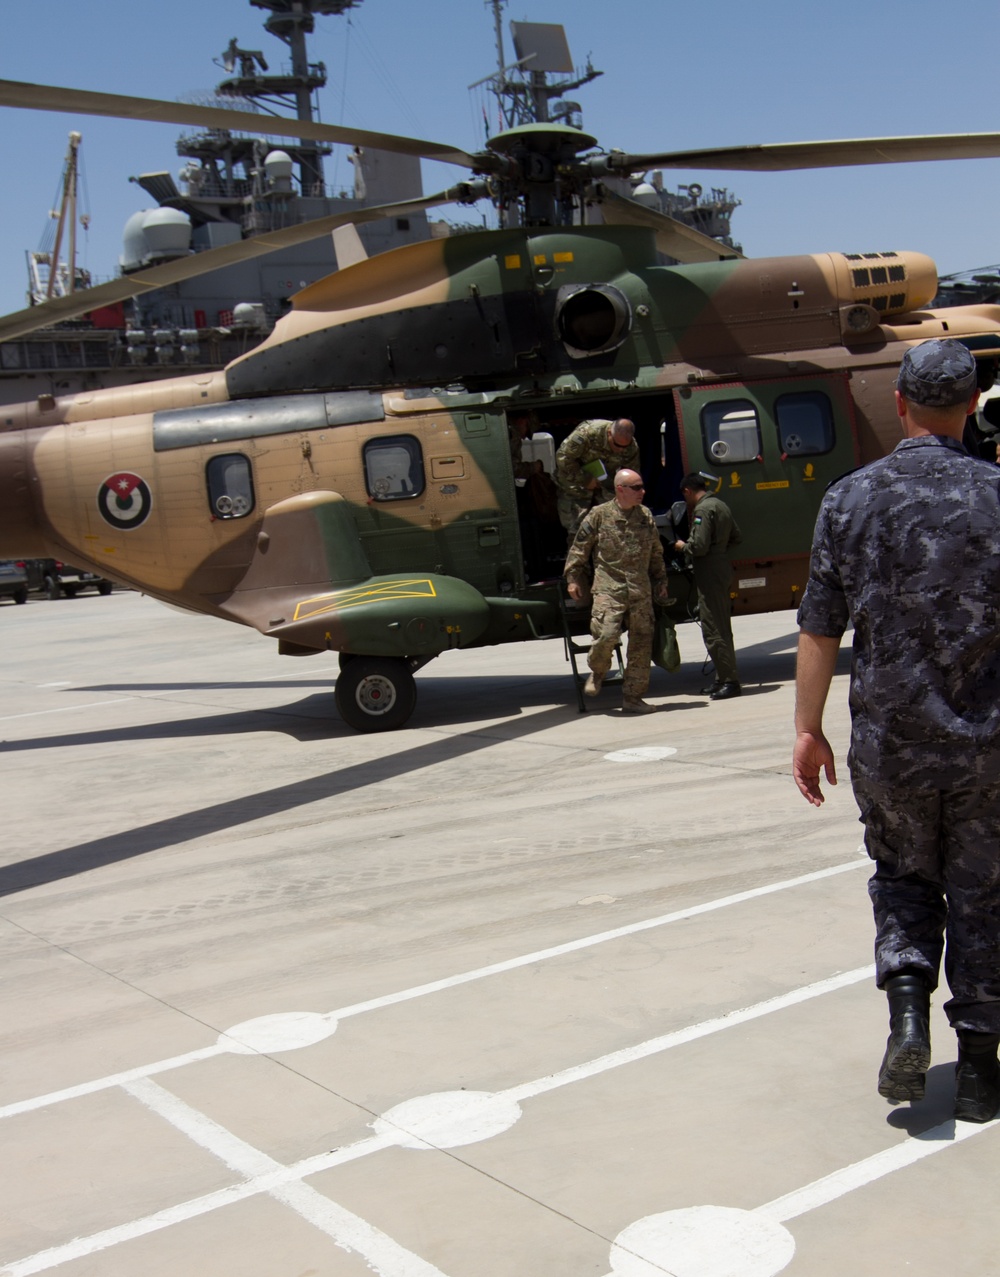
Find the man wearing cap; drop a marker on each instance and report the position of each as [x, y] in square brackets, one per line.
[908, 549]
[624, 541]
[586, 465]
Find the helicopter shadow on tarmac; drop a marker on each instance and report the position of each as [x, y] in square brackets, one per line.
[448, 700]
[229, 815]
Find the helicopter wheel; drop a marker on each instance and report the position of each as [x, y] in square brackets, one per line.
[375, 694]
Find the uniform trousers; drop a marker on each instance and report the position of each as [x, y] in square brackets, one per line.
[712, 577]
[608, 618]
[936, 887]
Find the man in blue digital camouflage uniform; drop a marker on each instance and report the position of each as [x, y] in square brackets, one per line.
[908, 549]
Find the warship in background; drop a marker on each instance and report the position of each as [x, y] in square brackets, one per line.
[232, 186]
[967, 287]
[238, 185]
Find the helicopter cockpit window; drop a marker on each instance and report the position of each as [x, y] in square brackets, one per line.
[730, 431]
[805, 423]
[230, 486]
[394, 468]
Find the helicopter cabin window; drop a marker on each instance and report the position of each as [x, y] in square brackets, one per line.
[230, 486]
[394, 468]
[730, 431]
[805, 424]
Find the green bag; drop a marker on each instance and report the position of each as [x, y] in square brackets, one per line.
[666, 652]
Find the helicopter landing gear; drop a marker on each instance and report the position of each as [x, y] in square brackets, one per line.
[375, 693]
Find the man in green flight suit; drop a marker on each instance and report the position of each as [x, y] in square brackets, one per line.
[713, 531]
[628, 569]
[586, 465]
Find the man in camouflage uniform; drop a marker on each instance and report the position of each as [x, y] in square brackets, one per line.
[908, 549]
[628, 567]
[601, 446]
[706, 551]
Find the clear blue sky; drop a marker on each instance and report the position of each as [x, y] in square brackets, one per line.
[676, 76]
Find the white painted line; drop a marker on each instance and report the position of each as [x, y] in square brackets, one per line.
[601, 937]
[434, 1123]
[450, 1119]
[858, 1174]
[383, 1255]
[242, 1040]
[201, 1129]
[438, 1122]
[113, 1079]
[627, 1055]
[65, 709]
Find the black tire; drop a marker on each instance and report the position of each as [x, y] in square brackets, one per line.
[344, 657]
[375, 693]
[105, 587]
[51, 587]
[70, 591]
[21, 595]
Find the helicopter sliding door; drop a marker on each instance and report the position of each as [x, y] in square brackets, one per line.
[440, 498]
[772, 447]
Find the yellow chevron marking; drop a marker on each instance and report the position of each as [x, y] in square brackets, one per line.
[378, 592]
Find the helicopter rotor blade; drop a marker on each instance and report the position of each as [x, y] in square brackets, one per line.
[21, 322]
[787, 156]
[673, 238]
[46, 97]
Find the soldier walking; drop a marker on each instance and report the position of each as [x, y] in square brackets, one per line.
[622, 539]
[907, 550]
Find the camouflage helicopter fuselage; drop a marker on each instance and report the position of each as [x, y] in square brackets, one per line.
[319, 490]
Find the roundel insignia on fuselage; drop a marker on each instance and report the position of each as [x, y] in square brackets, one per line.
[124, 500]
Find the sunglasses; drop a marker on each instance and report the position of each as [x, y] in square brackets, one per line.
[633, 487]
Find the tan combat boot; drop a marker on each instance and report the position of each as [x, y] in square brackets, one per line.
[636, 705]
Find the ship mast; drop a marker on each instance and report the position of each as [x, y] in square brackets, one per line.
[289, 21]
[522, 88]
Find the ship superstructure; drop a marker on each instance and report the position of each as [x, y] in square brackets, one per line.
[233, 185]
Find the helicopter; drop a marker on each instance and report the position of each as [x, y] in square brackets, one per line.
[347, 485]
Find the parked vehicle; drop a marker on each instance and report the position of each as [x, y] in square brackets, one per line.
[13, 581]
[56, 578]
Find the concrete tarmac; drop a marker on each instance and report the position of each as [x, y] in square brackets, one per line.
[511, 991]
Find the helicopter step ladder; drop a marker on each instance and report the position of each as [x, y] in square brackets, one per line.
[577, 643]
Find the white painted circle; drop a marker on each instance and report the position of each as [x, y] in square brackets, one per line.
[287, 1031]
[448, 1119]
[702, 1241]
[641, 754]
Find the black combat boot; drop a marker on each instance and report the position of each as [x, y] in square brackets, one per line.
[977, 1077]
[908, 1050]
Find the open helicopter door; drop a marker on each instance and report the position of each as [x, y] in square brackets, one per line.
[774, 447]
